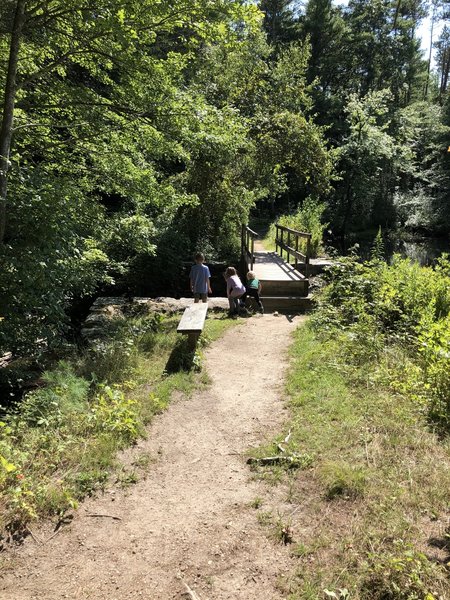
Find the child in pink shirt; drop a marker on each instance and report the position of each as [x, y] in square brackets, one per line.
[235, 290]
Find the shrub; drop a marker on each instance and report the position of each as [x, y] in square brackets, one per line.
[400, 573]
[113, 411]
[376, 305]
[435, 349]
[65, 393]
[307, 218]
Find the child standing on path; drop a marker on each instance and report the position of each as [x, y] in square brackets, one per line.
[199, 278]
[235, 290]
[254, 288]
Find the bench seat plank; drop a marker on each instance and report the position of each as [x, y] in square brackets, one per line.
[193, 318]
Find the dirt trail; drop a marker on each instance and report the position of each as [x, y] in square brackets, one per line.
[190, 520]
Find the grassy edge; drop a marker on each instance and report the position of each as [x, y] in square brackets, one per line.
[51, 465]
[377, 473]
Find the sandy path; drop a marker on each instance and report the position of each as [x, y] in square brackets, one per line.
[190, 519]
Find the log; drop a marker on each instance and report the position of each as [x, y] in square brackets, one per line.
[293, 460]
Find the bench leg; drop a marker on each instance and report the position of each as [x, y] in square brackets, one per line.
[192, 340]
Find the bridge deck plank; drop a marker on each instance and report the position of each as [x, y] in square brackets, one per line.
[270, 267]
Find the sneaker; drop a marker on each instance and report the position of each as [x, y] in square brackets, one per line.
[261, 310]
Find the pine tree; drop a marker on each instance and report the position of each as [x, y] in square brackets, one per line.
[384, 47]
[324, 27]
[280, 21]
[443, 60]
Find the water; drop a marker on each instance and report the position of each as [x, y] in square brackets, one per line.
[423, 250]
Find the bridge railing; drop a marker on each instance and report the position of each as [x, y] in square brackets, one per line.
[248, 237]
[290, 240]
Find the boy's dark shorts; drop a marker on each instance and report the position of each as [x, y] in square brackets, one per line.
[203, 297]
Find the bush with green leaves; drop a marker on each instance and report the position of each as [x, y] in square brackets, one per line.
[307, 218]
[111, 411]
[399, 296]
[435, 351]
[114, 356]
[400, 573]
[373, 306]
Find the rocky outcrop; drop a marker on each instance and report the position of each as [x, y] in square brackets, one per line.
[105, 310]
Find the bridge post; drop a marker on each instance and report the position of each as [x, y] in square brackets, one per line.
[308, 254]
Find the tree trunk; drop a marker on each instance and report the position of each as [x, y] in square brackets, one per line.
[427, 81]
[397, 11]
[444, 73]
[8, 110]
[348, 207]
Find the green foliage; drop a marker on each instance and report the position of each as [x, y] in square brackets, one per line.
[376, 305]
[280, 22]
[111, 411]
[379, 474]
[421, 199]
[51, 258]
[377, 252]
[60, 443]
[434, 340]
[366, 158]
[308, 218]
[106, 168]
[64, 394]
[115, 356]
[400, 573]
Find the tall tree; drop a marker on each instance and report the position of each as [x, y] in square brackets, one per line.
[104, 133]
[384, 48]
[9, 102]
[327, 72]
[364, 194]
[78, 39]
[421, 197]
[281, 22]
[443, 60]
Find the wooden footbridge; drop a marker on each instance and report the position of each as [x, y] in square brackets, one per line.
[285, 282]
[283, 275]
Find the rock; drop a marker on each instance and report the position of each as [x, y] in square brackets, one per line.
[107, 309]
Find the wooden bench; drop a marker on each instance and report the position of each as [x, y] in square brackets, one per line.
[192, 322]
